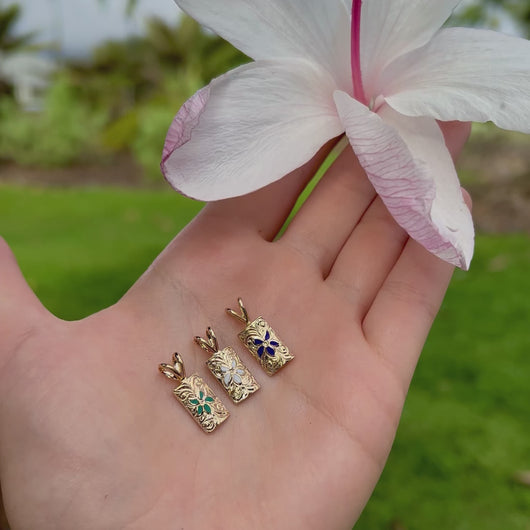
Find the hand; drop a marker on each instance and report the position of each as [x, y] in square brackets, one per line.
[91, 436]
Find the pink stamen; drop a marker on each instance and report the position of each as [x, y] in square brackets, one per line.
[358, 89]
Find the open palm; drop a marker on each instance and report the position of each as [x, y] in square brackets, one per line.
[91, 436]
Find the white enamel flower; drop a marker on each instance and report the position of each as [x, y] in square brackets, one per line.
[382, 71]
[232, 373]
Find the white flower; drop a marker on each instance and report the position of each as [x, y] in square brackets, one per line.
[382, 71]
[232, 373]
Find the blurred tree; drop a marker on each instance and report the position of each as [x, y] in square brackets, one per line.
[9, 43]
[118, 75]
[488, 13]
[9, 16]
[130, 5]
[121, 74]
[65, 131]
[142, 81]
[188, 45]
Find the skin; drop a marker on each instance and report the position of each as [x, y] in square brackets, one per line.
[91, 436]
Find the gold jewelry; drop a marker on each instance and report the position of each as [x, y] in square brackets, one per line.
[195, 395]
[262, 341]
[228, 368]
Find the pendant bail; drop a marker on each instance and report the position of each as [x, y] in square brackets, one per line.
[174, 371]
[243, 316]
[209, 344]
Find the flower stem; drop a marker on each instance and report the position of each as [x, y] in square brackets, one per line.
[358, 89]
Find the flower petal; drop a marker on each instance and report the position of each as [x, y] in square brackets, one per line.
[185, 121]
[466, 75]
[227, 377]
[312, 29]
[390, 28]
[260, 121]
[411, 169]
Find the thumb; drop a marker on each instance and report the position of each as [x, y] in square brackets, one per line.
[19, 307]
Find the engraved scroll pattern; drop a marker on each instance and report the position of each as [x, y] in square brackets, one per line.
[199, 400]
[235, 377]
[267, 348]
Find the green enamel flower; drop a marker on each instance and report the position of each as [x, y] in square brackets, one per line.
[202, 403]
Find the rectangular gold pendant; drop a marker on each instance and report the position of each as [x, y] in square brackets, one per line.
[227, 368]
[199, 400]
[265, 346]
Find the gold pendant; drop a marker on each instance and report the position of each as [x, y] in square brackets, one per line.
[228, 369]
[195, 395]
[262, 341]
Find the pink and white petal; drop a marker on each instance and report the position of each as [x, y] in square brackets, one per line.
[390, 28]
[251, 127]
[311, 29]
[466, 75]
[412, 171]
[185, 121]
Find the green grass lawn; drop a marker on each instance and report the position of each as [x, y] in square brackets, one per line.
[465, 429]
[81, 249]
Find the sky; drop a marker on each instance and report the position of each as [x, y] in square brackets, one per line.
[80, 24]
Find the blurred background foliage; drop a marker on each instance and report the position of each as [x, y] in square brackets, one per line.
[9, 41]
[122, 97]
[489, 13]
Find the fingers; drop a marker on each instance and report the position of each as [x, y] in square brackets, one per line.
[18, 303]
[14, 291]
[401, 316]
[396, 285]
[367, 257]
[375, 245]
[267, 209]
[331, 212]
[334, 208]
[405, 307]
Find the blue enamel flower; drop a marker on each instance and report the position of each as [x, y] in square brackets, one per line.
[266, 345]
